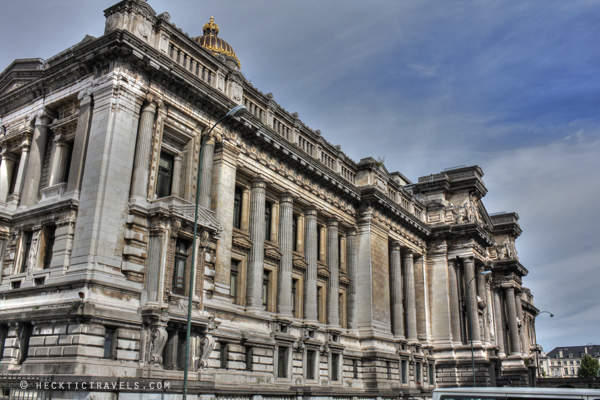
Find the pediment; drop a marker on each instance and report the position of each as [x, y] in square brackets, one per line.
[20, 73]
[241, 240]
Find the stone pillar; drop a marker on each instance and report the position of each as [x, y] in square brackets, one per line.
[469, 269]
[81, 141]
[245, 209]
[519, 306]
[525, 335]
[6, 173]
[499, 324]
[175, 190]
[274, 221]
[35, 163]
[454, 302]
[489, 311]
[257, 236]
[343, 266]
[153, 265]
[208, 153]
[351, 265]
[396, 291]
[323, 244]
[333, 263]
[513, 328]
[58, 163]
[409, 290]
[286, 236]
[139, 181]
[310, 254]
[21, 172]
[300, 233]
[481, 284]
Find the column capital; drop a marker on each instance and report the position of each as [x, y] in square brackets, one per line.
[59, 139]
[5, 155]
[311, 210]
[395, 245]
[351, 231]
[333, 221]
[259, 181]
[150, 105]
[286, 197]
[84, 95]
[408, 253]
[41, 117]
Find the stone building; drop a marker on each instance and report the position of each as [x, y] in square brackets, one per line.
[564, 362]
[317, 275]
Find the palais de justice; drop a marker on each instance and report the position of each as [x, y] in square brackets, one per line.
[317, 275]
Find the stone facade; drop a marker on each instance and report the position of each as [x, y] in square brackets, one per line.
[316, 275]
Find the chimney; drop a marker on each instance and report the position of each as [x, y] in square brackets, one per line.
[560, 353]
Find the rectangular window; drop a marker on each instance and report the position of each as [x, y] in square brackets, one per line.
[320, 302]
[25, 248]
[13, 178]
[165, 175]
[39, 281]
[418, 372]
[431, 374]
[388, 367]
[319, 243]
[237, 208]
[233, 279]
[282, 362]
[3, 335]
[342, 306]
[49, 235]
[223, 356]
[311, 364]
[404, 372]
[24, 336]
[109, 345]
[181, 254]
[265, 289]
[295, 232]
[268, 208]
[335, 367]
[15, 285]
[355, 369]
[295, 302]
[248, 358]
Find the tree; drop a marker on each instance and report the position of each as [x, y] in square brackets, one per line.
[589, 367]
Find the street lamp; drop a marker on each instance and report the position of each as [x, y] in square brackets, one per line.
[236, 111]
[469, 319]
[539, 361]
[548, 312]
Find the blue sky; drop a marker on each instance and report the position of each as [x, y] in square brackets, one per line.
[512, 86]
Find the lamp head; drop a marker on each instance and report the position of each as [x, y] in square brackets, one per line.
[81, 295]
[237, 111]
[485, 272]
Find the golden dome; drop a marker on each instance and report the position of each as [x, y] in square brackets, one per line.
[211, 41]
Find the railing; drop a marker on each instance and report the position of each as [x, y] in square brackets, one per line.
[307, 146]
[25, 387]
[191, 64]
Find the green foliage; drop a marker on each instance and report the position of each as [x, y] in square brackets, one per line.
[543, 374]
[380, 161]
[589, 367]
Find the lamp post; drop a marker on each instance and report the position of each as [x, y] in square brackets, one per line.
[469, 318]
[539, 361]
[234, 112]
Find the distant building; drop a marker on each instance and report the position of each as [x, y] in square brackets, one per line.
[318, 274]
[564, 362]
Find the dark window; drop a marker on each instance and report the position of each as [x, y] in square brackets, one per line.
[319, 298]
[15, 285]
[69, 150]
[319, 243]
[265, 288]
[282, 362]
[39, 281]
[418, 372]
[294, 300]
[389, 369]
[109, 345]
[237, 208]
[50, 233]
[404, 371]
[233, 279]
[181, 254]
[268, 208]
[181, 350]
[295, 232]
[223, 356]
[355, 369]
[3, 335]
[165, 175]
[13, 178]
[342, 309]
[25, 253]
[24, 337]
[335, 367]
[248, 358]
[311, 358]
[431, 376]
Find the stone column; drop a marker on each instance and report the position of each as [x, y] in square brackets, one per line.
[6, 173]
[58, 163]
[245, 209]
[35, 163]
[499, 324]
[396, 291]
[257, 236]
[153, 270]
[310, 254]
[489, 314]
[454, 302]
[469, 268]
[323, 244]
[208, 154]
[525, 335]
[175, 191]
[513, 328]
[81, 141]
[352, 268]
[141, 172]
[300, 233]
[519, 306]
[343, 266]
[333, 263]
[274, 221]
[409, 290]
[21, 172]
[286, 236]
[481, 284]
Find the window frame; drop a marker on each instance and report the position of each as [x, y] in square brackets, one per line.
[160, 168]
